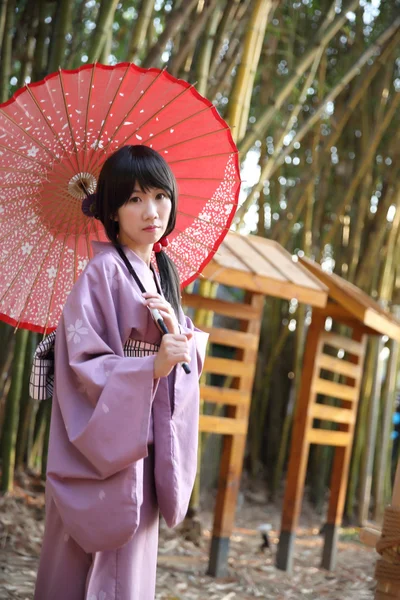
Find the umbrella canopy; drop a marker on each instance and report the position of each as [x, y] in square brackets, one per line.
[54, 138]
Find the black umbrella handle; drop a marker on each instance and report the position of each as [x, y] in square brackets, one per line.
[160, 322]
[157, 317]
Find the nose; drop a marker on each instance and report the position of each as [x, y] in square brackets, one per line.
[151, 211]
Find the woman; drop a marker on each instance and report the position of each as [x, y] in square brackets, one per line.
[123, 438]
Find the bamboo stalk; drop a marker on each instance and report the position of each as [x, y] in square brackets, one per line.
[103, 24]
[253, 65]
[376, 236]
[3, 12]
[369, 449]
[229, 16]
[203, 64]
[6, 50]
[272, 165]
[383, 455]
[12, 412]
[63, 25]
[360, 429]
[140, 30]
[38, 61]
[190, 40]
[26, 406]
[237, 111]
[365, 164]
[177, 17]
[323, 40]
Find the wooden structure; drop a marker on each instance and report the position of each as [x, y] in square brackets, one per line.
[388, 567]
[323, 402]
[261, 268]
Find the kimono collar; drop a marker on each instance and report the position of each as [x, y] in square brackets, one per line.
[145, 274]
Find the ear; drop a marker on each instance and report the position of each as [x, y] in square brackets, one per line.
[115, 218]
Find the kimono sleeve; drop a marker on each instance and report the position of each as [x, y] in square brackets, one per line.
[105, 398]
[176, 426]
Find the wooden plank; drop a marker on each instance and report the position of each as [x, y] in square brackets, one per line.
[225, 258]
[341, 342]
[341, 461]
[299, 449]
[254, 261]
[222, 425]
[228, 396]
[226, 366]
[335, 390]
[383, 324]
[232, 454]
[327, 437]
[292, 271]
[236, 310]
[333, 413]
[229, 337]
[265, 285]
[338, 365]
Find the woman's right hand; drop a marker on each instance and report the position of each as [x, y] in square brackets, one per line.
[174, 349]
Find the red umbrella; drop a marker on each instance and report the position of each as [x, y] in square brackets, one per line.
[54, 137]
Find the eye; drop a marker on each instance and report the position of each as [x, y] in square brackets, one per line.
[134, 199]
[162, 196]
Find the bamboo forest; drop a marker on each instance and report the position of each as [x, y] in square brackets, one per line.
[308, 93]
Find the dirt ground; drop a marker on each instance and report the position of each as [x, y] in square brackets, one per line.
[182, 564]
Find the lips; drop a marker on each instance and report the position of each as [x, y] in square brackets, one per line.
[150, 228]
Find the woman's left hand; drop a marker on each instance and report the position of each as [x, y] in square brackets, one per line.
[165, 310]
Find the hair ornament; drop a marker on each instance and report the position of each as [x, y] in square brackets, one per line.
[89, 205]
[163, 243]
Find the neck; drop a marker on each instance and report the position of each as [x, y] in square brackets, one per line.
[143, 252]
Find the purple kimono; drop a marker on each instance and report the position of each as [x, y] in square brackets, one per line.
[123, 445]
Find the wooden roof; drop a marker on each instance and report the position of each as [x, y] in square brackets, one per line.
[356, 303]
[256, 264]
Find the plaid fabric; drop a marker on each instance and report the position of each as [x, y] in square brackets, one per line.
[135, 348]
[41, 381]
[41, 384]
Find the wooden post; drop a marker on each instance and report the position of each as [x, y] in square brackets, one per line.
[233, 452]
[341, 465]
[299, 447]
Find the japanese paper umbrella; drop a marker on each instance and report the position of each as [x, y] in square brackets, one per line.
[54, 137]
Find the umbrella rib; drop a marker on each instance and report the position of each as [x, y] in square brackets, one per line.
[28, 158]
[61, 208]
[208, 179]
[66, 152]
[19, 185]
[68, 117]
[221, 227]
[54, 284]
[174, 162]
[195, 114]
[24, 263]
[87, 114]
[25, 132]
[24, 172]
[212, 199]
[190, 237]
[156, 113]
[126, 116]
[197, 137]
[109, 108]
[171, 250]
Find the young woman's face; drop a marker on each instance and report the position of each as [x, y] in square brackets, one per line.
[144, 218]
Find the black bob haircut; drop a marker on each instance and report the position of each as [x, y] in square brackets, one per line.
[146, 168]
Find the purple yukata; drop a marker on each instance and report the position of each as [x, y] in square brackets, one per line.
[123, 445]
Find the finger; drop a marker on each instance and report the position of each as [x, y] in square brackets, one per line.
[151, 295]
